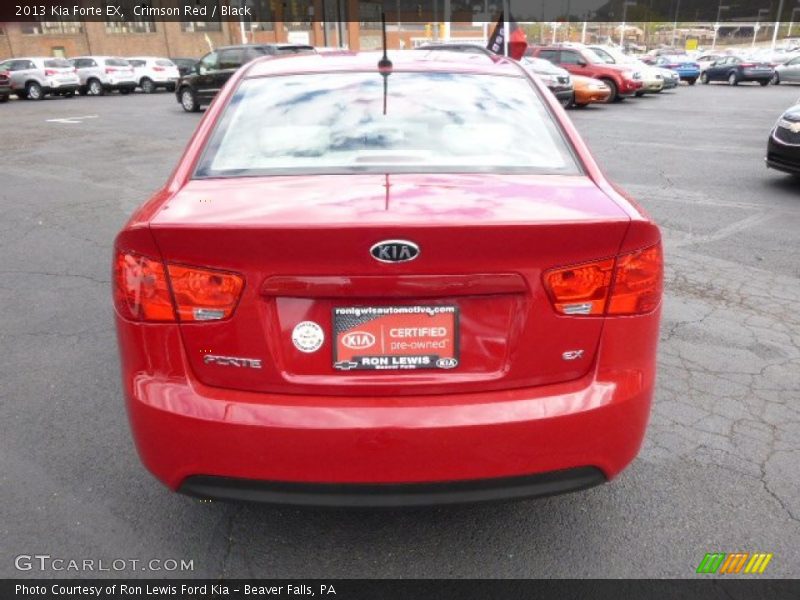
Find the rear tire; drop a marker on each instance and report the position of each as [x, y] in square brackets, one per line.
[96, 88]
[704, 79]
[764, 83]
[568, 102]
[147, 85]
[733, 79]
[692, 81]
[189, 100]
[776, 79]
[33, 91]
[614, 95]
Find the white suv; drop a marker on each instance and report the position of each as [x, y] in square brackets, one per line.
[37, 76]
[153, 72]
[100, 74]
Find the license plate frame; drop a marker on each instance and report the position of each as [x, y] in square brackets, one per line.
[395, 338]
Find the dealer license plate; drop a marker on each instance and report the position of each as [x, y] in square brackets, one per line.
[395, 337]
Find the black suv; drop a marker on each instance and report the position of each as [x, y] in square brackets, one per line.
[213, 70]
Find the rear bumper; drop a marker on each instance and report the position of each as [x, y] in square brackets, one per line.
[334, 449]
[393, 495]
[686, 75]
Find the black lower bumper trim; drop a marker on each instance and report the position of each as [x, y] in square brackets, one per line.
[392, 495]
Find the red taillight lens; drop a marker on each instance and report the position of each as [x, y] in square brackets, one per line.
[638, 282]
[580, 290]
[141, 291]
[49, 72]
[747, 65]
[203, 294]
[630, 285]
[159, 69]
[110, 70]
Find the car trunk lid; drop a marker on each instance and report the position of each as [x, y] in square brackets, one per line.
[316, 300]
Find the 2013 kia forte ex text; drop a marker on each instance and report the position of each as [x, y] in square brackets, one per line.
[387, 285]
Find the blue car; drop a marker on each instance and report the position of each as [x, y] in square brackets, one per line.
[687, 69]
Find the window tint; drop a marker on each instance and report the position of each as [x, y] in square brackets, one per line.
[432, 122]
[57, 63]
[163, 62]
[209, 61]
[570, 58]
[231, 59]
[117, 62]
[551, 55]
[137, 63]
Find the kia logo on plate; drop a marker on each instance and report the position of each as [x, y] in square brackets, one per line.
[392, 251]
[358, 340]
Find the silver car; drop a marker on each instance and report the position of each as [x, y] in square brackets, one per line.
[35, 77]
[101, 74]
[788, 72]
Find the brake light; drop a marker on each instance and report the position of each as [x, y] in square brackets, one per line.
[582, 289]
[747, 65]
[631, 284]
[110, 70]
[159, 69]
[144, 291]
[203, 294]
[49, 72]
[638, 282]
[141, 291]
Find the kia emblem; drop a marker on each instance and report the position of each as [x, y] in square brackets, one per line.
[394, 251]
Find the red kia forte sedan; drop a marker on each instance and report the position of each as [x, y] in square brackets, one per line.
[393, 285]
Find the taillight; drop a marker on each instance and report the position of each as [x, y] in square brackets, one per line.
[638, 282]
[159, 69]
[110, 70]
[144, 290]
[49, 72]
[747, 65]
[631, 284]
[582, 289]
[141, 291]
[203, 294]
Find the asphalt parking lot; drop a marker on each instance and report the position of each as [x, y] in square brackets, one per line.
[720, 469]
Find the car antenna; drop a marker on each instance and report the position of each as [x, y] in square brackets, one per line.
[384, 64]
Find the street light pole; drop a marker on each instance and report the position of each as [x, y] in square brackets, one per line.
[720, 8]
[625, 4]
[675, 24]
[777, 25]
[757, 26]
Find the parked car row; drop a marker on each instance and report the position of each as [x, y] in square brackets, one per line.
[35, 77]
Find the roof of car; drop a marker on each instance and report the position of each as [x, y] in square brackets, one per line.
[402, 60]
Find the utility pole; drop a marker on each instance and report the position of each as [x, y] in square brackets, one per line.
[777, 25]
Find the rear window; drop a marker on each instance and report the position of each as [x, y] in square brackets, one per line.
[420, 122]
[163, 62]
[137, 63]
[117, 62]
[57, 63]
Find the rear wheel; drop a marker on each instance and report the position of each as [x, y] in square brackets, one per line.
[764, 82]
[704, 78]
[96, 88]
[733, 79]
[148, 87]
[614, 95]
[189, 100]
[776, 79]
[567, 102]
[34, 91]
[3, 99]
[692, 81]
